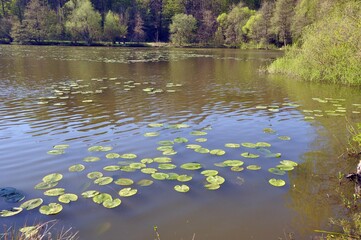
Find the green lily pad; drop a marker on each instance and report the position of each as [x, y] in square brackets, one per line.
[263, 144]
[137, 165]
[165, 148]
[91, 159]
[155, 125]
[61, 146]
[277, 182]
[201, 140]
[273, 155]
[169, 152]
[166, 166]
[202, 150]
[172, 176]
[13, 211]
[180, 140]
[103, 180]
[198, 133]
[285, 167]
[127, 169]
[54, 192]
[76, 168]
[193, 146]
[111, 168]
[148, 170]
[151, 134]
[285, 138]
[90, 194]
[160, 176]
[181, 188]
[253, 167]
[124, 182]
[54, 177]
[128, 156]
[232, 145]
[166, 143]
[127, 192]
[102, 197]
[45, 185]
[268, 130]
[112, 155]
[145, 182]
[289, 163]
[147, 160]
[184, 178]
[179, 126]
[51, 209]
[249, 145]
[162, 160]
[208, 173]
[100, 149]
[32, 203]
[218, 152]
[237, 169]
[276, 171]
[215, 179]
[221, 164]
[67, 198]
[94, 175]
[56, 152]
[233, 163]
[249, 155]
[212, 186]
[112, 203]
[191, 166]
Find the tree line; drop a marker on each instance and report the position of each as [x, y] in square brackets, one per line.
[258, 23]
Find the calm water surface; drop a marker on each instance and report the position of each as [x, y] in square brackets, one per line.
[222, 92]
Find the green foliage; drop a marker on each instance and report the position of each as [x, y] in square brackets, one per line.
[83, 22]
[113, 28]
[5, 28]
[282, 20]
[330, 50]
[182, 28]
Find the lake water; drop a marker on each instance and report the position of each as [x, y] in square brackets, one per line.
[85, 97]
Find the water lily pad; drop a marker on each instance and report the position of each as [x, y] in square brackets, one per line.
[54, 192]
[201, 140]
[233, 163]
[13, 211]
[145, 182]
[215, 179]
[51, 209]
[151, 134]
[276, 171]
[193, 146]
[124, 182]
[90, 194]
[94, 175]
[127, 169]
[100, 149]
[45, 185]
[212, 186]
[91, 159]
[273, 155]
[162, 160]
[198, 133]
[148, 170]
[253, 167]
[172, 176]
[103, 180]
[127, 192]
[166, 143]
[54, 177]
[56, 152]
[76, 168]
[179, 126]
[112, 203]
[202, 150]
[268, 130]
[221, 164]
[147, 160]
[180, 140]
[112, 155]
[169, 152]
[232, 145]
[285, 167]
[128, 156]
[237, 169]
[67, 198]
[191, 166]
[165, 148]
[263, 144]
[155, 125]
[289, 163]
[166, 166]
[111, 168]
[32, 203]
[218, 152]
[277, 182]
[285, 138]
[249, 155]
[184, 178]
[102, 197]
[181, 188]
[208, 173]
[160, 176]
[137, 165]
[61, 146]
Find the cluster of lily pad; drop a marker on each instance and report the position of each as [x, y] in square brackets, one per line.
[65, 90]
[155, 169]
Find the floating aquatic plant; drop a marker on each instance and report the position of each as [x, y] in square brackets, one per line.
[127, 192]
[277, 182]
[191, 166]
[51, 209]
[67, 198]
[249, 155]
[124, 181]
[54, 192]
[253, 167]
[218, 152]
[76, 168]
[32, 203]
[181, 188]
[13, 211]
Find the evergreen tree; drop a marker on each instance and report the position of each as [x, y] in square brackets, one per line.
[282, 20]
[138, 32]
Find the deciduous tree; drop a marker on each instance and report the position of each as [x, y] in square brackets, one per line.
[182, 28]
